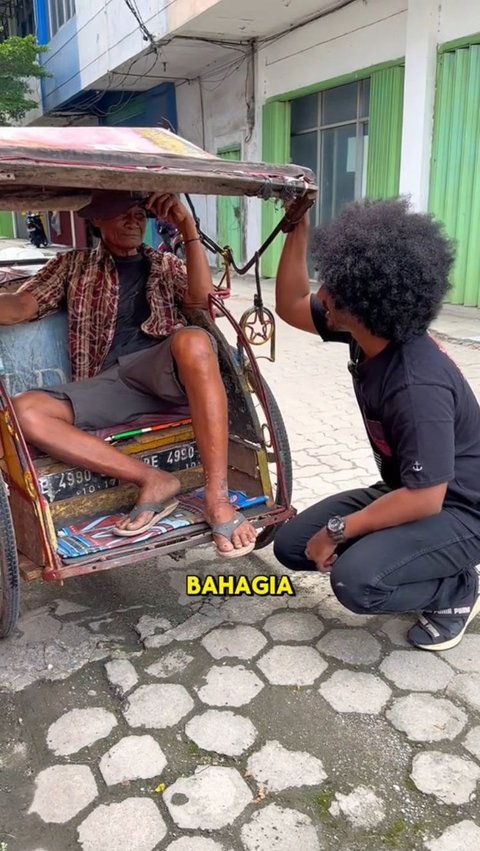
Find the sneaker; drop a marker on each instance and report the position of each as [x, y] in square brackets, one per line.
[445, 628]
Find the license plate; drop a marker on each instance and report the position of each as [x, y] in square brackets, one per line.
[79, 482]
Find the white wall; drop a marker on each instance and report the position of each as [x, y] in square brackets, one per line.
[355, 37]
[104, 34]
[419, 99]
[359, 36]
[458, 18]
[224, 123]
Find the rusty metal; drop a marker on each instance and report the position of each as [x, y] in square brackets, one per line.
[25, 461]
[56, 171]
[224, 287]
[244, 348]
[258, 322]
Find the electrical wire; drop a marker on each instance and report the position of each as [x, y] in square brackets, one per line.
[271, 39]
[147, 35]
[233, 70]
[211, 81]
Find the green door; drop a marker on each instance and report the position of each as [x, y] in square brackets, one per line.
[455, 165]
[229, 213]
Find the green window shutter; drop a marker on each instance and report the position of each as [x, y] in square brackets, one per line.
[455, 165]
[385, 132]
[6, 224]
[275, 149]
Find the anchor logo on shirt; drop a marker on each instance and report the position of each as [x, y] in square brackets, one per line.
[417, 467]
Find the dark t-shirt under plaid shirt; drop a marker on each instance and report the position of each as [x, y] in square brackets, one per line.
[86, 283]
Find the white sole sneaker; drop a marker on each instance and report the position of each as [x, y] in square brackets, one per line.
[451, 642]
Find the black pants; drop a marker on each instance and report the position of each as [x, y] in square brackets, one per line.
[422, 565]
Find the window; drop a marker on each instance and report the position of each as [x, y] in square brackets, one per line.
[59, 12]
[329, 134]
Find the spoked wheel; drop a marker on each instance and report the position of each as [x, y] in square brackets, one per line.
[265, 536]
[9, 575]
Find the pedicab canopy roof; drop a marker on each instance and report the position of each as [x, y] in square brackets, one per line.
[56, 168]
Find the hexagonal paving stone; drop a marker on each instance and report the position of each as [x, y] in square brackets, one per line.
[171, 663]
[396, 629]
[292, 666]
[194, 843]
[466, 687]
[362, 808]
[451, 779]
[275, 828]
[414, 671]
[465, 836]
[229, 686]
[121, 675]
[79, 728]
[427, 719]
[310, 591]
[353, 646]
[198, 624]
[241, 642]
[133, 825]
[132, 758]
[222, 732]
[148, 626]
[278, 768]
[211, 798]
[158, 706]
[331, 609]
[351, 691]
[251, 609]
[294, 626]
[191, 629]
[63, 791]
[472, 742]
[466, 655]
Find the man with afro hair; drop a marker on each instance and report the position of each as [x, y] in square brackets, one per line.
[411, 542]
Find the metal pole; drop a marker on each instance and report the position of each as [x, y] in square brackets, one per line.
[72, 226]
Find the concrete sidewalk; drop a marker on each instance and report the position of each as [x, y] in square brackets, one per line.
[459, 324]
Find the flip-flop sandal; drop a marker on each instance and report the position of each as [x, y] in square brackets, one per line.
[226, 530]
[161, 509]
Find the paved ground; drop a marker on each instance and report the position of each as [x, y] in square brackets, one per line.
[133, 718]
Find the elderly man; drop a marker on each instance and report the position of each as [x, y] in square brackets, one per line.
[132, 354]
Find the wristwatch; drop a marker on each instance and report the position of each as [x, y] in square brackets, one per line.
[336, 529]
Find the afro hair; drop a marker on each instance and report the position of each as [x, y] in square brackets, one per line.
[385, 265]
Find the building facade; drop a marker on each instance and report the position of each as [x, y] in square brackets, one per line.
[378, 97]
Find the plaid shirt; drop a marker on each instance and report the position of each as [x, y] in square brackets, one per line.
[86, 282]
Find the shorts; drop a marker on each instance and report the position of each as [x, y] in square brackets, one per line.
[140, 383]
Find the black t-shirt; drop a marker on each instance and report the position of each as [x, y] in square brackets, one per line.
[421, 417]
[133, 308]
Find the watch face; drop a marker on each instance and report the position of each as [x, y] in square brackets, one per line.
[336, 524]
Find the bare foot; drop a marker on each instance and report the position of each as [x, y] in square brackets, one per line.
[222, 511]
[158, 487]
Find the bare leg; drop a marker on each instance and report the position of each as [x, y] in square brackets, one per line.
[199, 373]
[48, 423]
